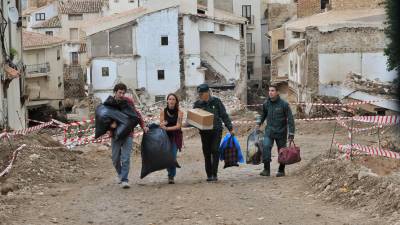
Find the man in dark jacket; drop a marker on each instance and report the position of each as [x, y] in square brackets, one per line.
[211, 139]
[280, 126]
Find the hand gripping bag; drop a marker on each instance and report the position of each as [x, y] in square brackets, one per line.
[289, 155]
[230, 151]
[254, 147]
[156, 151]
[124, 115]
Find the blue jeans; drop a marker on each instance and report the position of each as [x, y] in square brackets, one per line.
[121, 156]
[268, 143]
[172, 170]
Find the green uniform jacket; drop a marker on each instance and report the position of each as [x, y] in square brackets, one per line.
[215, 106]
[279, 117]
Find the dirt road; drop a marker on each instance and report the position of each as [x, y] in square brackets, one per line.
[240, 197]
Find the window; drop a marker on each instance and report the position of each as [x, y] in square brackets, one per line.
[49, 33]
[105, 71]
[40, 16]
[246, 12]
[74, 58]
[132, 1]
[75, 17]
[295, 34]
[116, 0]
[73, 34]
[281, 44]
[29, 19]
[324, 4]
[221, 27]
[164, 40]
[161, 74]
[159, 98]
[267, 60]
[250, 70]
[58, 54]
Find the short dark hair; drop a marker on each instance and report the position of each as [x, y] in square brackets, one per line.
[120, 86]
[273, 86]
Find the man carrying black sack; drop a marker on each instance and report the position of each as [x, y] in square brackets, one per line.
[211, 139]
[280, 126]
[122, 148]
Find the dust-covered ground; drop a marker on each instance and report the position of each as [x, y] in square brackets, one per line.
[318, 190]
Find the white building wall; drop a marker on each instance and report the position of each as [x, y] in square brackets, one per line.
[223, 53]
[56, 31]
[193, 76]
[49, 11]
[155, 57]
[255, 30]
[335, 67]
[120, 6]
[11, 104]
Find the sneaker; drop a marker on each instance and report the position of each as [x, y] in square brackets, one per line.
[118, 180]
[171, 180]
[125, 185]
[265, 173]
[280, 174]
[210, 179]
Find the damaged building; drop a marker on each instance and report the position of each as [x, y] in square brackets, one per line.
[167, 46]
[315, 54]
[12, 96]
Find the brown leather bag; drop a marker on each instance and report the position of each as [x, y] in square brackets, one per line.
[289, 155]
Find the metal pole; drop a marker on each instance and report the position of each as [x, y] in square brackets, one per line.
[351, 139]
[333, 137]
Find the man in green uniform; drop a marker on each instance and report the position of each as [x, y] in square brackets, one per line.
[280, 127]
[210, 139]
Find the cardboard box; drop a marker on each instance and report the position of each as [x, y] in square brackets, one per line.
[201, 119]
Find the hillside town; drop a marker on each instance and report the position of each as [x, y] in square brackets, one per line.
[326, 61]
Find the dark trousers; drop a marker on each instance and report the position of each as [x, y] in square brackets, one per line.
[267, 147]
[210, 140]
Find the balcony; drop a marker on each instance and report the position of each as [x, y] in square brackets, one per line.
[250, 21]
[37, 70]
[251, 49]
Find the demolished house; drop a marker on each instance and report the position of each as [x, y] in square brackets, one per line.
[167, 46]
[314, 56]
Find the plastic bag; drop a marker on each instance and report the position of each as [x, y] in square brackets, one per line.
[254, 147]
[230, 151]
[120, 112]
[156, 151]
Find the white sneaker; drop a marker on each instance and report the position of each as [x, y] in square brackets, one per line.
[125, 185]
[118, 180]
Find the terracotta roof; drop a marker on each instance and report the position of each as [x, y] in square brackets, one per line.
[34, 40]
[80, 6]
[53, 22]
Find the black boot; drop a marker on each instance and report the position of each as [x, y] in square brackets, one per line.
[281, 171]
[267, 169]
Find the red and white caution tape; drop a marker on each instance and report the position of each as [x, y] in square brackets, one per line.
[14, 156]
[383, 120]
[325, 104]
[356, 129]
[377, 151]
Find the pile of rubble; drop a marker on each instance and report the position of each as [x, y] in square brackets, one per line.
[358, 82]
[371, 184]
[231, 102]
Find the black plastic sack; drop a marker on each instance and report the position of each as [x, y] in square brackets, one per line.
[105, 115]
[156, 151]
[254, 147]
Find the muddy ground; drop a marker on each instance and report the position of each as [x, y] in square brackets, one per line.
[318, 190]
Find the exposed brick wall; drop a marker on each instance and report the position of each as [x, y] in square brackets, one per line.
[355, 4]
[308, 7]
[278, 14]
[343, 40]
